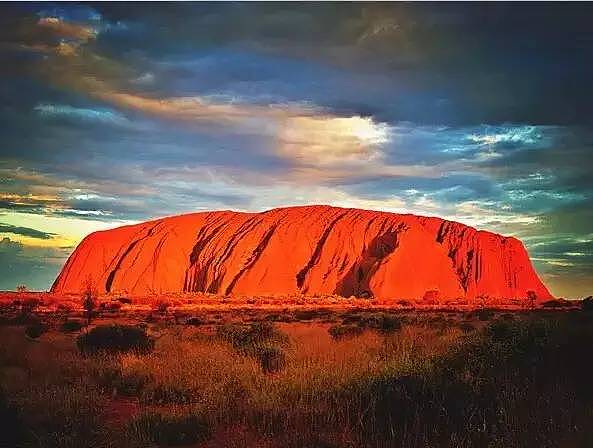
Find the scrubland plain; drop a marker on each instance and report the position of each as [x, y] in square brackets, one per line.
[295, 377]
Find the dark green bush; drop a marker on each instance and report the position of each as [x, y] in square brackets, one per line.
[114, 339]
[171, 430]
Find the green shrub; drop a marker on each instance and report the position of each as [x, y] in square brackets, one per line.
[171, 430]
[115, 339]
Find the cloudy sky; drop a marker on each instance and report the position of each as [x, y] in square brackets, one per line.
[480, 113]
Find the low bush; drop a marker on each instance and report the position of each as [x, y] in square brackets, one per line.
[115, 339]
[587, 304]
[71, 325]
[310, 314]
[271, 359]
[246, 338]
[345, 331]
[13, 429]
[35, 330]
[110, 306]
[162, 394]
[194, 321]
[466, 327]
[170, 430]
[382, 322]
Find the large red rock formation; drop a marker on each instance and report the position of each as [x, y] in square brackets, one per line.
[305, 250]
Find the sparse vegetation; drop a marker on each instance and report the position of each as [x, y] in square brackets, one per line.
[35, 330]
[71, 325]
[416, 379]
[170, 429]
[89, 299]
[344, 331]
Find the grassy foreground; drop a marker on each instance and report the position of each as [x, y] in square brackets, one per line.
[298, 379]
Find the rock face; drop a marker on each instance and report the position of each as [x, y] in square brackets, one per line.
[305, 250]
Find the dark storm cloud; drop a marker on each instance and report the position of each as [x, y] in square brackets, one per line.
[460, 63]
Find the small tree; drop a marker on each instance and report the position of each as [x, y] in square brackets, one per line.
[89, 299]
[531, 299]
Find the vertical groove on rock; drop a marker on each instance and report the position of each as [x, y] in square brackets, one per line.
[253, 258]
[300, 277]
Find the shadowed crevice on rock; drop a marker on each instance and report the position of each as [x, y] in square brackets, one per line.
[356, 281]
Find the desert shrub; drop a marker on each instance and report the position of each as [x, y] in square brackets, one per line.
[438, 322]
[500, 330]
[482, 314]
[161, 306]
[71, 325]
[89, 299]
[310, 314]
[381, 322]
[29, 305]
[114, 339]
[271, 359]
[171, 429]
[512, 383]
[110, 379]
[165, 394]
[466, 327]
[35, 329]
[587, 304]
[194, 321]
[344, 331]
[13, 429]
[245, 338]
[111, 306]
[351, 318]
[554, 304]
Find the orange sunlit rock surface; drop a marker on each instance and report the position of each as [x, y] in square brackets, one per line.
[305, 250]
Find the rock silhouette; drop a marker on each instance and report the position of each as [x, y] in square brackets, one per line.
[305, 250]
